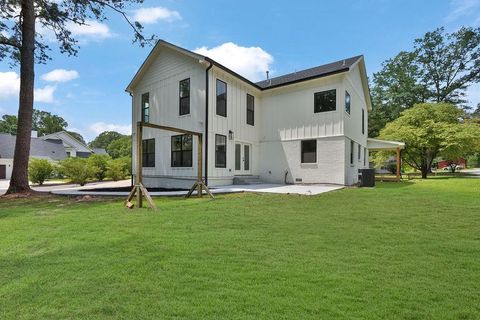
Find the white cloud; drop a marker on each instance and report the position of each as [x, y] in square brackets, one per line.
[250, 62]
[99, 127]
[462, 9]
[60, 75]
[90, 30]
[45, 94]
[9, 84]
[155, 14]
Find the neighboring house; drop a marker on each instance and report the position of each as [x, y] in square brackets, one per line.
[305, 127]
[51, 149]
[73, 147]
[460, 162]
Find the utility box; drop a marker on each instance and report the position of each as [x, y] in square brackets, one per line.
[366, 178]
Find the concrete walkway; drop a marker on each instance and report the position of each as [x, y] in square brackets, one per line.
[76, 190]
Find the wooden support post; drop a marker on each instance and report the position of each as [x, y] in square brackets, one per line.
[139, 163]
[398, 164]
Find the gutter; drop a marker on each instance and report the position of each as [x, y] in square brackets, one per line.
[206, 120]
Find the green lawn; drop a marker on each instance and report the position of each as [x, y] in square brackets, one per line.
[399, 251]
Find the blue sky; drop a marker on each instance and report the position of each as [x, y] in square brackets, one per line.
[249, 36]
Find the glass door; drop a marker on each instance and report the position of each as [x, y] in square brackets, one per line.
[243, 156]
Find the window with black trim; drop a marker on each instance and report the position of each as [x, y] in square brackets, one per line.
[148, 153]
[220, 151]
[184, 93]
[221, 98]
[359, 155]
[250, 109]
[181, 148]
[325, 101]
[352, 146]
[146, 107]
[363, 121]
[347, 102]
[364, 157]
[309, 151]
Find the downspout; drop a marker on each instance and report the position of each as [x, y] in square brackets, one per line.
[206, 120]
[131, 147]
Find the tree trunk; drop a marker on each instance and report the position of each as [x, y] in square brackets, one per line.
[19, 180]
[424, 172]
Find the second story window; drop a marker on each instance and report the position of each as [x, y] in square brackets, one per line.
[184, 93]
[347, 102]
[182, 147]
[221, 98]
[325, 101]
[145, 107]
[250, 109]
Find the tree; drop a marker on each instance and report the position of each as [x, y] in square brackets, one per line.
[99, 161]
[78, 170]
[430, 130]
[104, 139]
[77, 136]
[439, 69]
[8, 124]
[46, 123]
[120, 148]
[39, 170]
[21, 44]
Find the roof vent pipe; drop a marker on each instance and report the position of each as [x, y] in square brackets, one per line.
[343, 65]
[268, 72]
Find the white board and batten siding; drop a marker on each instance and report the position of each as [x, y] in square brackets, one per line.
[353, 126]
[162, 82]
[236, 121]
[284, 117]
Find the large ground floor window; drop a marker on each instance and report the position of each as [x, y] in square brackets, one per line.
[309, 151]
[220, 151]
[181, 147]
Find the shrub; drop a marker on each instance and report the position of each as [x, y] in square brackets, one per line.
[116, 169]
[99, 161]
[127, 163]
[78, 170]
[39, 170]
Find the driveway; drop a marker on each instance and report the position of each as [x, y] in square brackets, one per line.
[66, 188]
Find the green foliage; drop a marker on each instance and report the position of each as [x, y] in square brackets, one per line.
[100, 162]
[439, 69]
[127, 163]
[104, 139]
[78, 170]
[116, 169]
[42, 121]
[473, 161]
[39, 170]
[8, 124]
[431, 130]
[45, 122]
[120, 148]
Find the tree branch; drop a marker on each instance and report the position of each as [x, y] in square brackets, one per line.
[9, 42]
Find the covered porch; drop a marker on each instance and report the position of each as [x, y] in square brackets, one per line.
[385, 145]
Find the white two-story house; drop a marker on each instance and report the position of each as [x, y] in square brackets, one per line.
[305, 127]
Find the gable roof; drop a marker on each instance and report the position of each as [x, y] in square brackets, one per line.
[39, 148]
[312, 73]
[68, 141]
[325, 70]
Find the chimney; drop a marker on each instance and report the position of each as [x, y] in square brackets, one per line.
[34, 134]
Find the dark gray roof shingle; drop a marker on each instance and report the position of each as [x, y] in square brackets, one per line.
[40, 148]
[312, 73]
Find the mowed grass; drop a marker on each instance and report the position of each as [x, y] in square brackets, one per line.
[399, 251]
